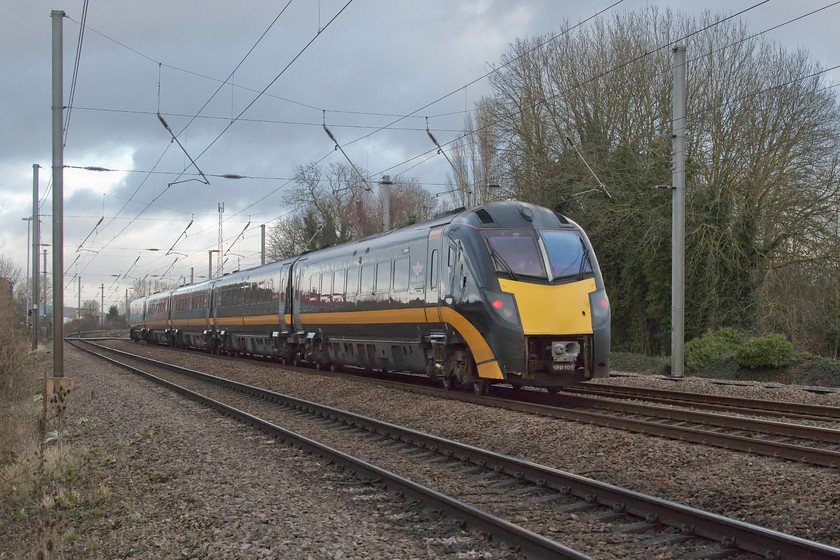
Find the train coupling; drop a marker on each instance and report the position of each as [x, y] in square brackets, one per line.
[564, 355]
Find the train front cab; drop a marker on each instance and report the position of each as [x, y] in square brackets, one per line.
[549, 317]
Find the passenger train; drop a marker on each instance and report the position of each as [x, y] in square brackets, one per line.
[508, 292]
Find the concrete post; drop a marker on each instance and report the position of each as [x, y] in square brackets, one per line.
[678, 223]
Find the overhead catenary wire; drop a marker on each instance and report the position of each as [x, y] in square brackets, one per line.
[183, 234]
[277, 77]
[267, 121]
[611, 70]
[338, 147]
[82, 25]
[76, 65]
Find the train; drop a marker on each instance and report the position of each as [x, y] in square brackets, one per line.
[505, 293]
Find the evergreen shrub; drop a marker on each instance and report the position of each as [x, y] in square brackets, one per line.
[713, 349]
[773, 351]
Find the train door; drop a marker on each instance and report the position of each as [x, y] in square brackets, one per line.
[450, 290]
[295, 295]
[214, 303]
[433, 280]
[285, 307]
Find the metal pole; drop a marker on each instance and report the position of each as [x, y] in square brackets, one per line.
[262, 244]
[192, 275]
[102, 309]
[58, 193]
[45, 289]
[28, 308]
[678, 219]
[126, 305]
[386, 202]
[36, 241]
[210, 264]
[79, 302]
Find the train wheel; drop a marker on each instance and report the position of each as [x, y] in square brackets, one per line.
[448, 382]
[554, 390]
[335, 368]
[481, 387]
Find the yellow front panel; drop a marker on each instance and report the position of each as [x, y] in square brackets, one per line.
[562, 309]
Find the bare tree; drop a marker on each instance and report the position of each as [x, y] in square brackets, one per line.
[90, 308]
[476, 160]
[333, 206]
[9, 270]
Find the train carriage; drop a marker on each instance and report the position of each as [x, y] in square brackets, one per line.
[156, 318]
[190, 316]
[363, 303]
[249, 310]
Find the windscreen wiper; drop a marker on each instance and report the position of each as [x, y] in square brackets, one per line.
[583, 260]
[501, 262]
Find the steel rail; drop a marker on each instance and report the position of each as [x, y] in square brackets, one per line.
[713, 402]
[729, 532]
[529, 543]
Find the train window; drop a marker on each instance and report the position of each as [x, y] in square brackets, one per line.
[368, 276]
[338, 283]
[326, 284]
[433, 274]
[352, 281]
[314, 285]
[401, 272]
[383, 276]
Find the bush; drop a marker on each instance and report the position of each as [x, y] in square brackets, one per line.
[773, 351]
[712, 350]
[820, 371]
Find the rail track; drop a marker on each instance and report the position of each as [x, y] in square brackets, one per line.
[622, 409]
[485, 489]
[728, 404]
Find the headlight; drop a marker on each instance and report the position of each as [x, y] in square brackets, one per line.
[503, 305]
[599, 305]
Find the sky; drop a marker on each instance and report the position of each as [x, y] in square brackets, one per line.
[262, 78]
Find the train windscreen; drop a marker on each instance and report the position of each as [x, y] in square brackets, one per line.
[567, 255]
[516, 253]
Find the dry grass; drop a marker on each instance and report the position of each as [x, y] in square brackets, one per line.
[18, 412]
[37, 467]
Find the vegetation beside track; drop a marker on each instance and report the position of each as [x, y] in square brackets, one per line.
[39, 463]
[731, 354]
